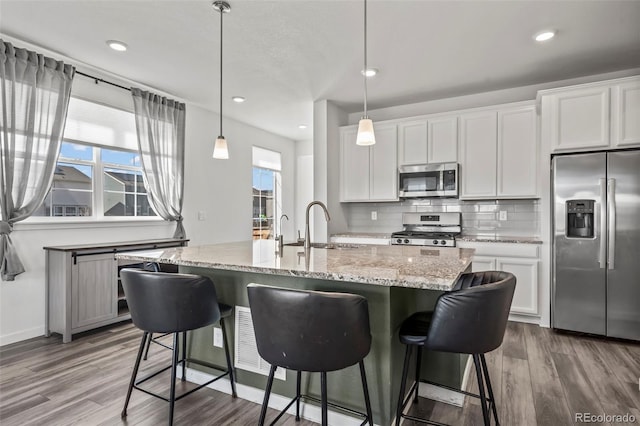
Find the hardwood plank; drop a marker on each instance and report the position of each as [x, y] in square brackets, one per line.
[514, 345]
[550, 404]
[516, 383]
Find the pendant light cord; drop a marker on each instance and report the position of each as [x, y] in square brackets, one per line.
[221, 13]
[365, 59]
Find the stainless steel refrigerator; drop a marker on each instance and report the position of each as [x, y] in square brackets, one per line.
[596, 244]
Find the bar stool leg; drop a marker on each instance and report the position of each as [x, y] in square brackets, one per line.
[323, 391]
[134, 374]
[488, 380]
[298, 386]
[483, 399]
[232, 378]
[184, 356]
[265, 402]
[403, 384]
[174, 362]
[418, 362]
[365, 389]
[146, 352]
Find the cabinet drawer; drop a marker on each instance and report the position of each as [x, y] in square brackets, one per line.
[501, 249]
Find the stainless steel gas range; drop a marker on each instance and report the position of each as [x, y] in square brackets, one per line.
[428, 229]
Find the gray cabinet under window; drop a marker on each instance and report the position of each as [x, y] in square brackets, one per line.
[83, 287]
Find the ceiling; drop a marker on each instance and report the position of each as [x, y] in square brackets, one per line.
[284, 55]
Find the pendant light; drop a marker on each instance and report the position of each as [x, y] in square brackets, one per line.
[365, 126]
[220, 149]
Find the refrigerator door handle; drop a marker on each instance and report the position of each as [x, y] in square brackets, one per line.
[602, 253]
[611, 215]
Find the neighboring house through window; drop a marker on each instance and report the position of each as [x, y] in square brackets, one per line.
[267, 193]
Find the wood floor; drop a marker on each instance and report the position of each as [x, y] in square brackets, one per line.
[540, 378]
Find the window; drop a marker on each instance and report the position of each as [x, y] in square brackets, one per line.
[267, 194]
[98, 173]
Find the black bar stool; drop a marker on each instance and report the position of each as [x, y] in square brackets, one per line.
[162, 302]
[471, 319]
[310, 331]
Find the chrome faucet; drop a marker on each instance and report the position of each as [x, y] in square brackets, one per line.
[307, 237]
[280, 238]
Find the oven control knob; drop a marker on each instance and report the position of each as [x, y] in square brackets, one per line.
[399, 241]
[406, 241]
[435, 242]
[443, 242]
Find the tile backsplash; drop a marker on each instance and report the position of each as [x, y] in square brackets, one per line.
[478, 217]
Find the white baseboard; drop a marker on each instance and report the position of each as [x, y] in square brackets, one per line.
[21, 335]
[278, 402]
[524, 318]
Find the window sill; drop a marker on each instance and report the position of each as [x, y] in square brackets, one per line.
[36, 225]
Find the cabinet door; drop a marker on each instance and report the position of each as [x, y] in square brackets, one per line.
[525, 298]
[626, 114]
[383, 166]
[93, 289]
[412, 142]
[483, 263]
[580, 119]
[354, 168]
[478, 144]
[517, 153]
[443, 140]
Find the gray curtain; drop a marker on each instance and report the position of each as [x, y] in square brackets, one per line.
[160, 124]
[35, 99]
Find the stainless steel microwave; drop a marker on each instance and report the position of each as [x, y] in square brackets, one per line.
[428, 180]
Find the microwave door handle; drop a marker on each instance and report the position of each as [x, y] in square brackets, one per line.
[603, 224]
[611, 216]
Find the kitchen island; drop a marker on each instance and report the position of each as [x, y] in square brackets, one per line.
[396, 280]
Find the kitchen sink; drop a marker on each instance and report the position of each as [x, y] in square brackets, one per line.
[339, 246]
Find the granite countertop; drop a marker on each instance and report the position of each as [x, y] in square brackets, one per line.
[401, 266]
[380, 235]
[499, 239]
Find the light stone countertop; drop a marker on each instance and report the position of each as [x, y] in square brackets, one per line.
[380, 235]
[469, 238]
[401, 266]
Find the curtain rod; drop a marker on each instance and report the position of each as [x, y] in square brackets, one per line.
[98, 79]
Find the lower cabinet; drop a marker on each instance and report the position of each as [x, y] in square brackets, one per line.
[522, 260]
[83, 285]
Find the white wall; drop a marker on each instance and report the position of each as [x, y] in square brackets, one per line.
[221, 189]
[303, 183]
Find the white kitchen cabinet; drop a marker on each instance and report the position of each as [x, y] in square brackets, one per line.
[478, 161]
[522, 260]
[369, 173]
[499, 153]
[593, 116]
[625, 105]
[429, 140]
[517, 173]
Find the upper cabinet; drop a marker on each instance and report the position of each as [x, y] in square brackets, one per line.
[369, 173]
[432, 140]
[603, 115]
[499, 153]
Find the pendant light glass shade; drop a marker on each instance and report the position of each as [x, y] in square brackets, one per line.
[365, 132]
[366, 136]
[220, 150]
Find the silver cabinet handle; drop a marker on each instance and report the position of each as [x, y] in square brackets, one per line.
[611, 215]
[602, 253]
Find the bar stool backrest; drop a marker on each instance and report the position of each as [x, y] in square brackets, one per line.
[162, 302]
[309, 330]
[473, 318]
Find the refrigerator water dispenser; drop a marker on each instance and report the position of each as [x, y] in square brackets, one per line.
[580, 218]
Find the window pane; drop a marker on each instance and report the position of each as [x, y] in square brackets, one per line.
[71, 192]
[74, 151]
[124, 194]
[124, 158]
[143, 206]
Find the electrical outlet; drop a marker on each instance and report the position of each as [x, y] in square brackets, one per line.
[374, 215]
[202, 215]
[503, 215]
[217, 337]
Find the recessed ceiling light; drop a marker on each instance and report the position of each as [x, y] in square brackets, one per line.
[117, 45]
[302, 126]
[544, 35]
[369, 72]
[238, 99]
